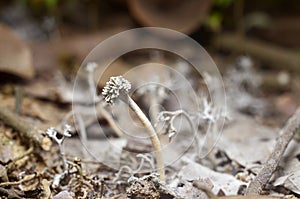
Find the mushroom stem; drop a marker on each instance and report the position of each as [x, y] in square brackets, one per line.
[118, 88]
[152, 134]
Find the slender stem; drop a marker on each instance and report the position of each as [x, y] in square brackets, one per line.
[154, 108]
[286, 135]
[152, 134]
[83, 134]
[18, 99]
[118, 87]
[100, 108]
[104, 113]
[63, 157]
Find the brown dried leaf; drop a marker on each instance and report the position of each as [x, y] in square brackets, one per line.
[15, 55]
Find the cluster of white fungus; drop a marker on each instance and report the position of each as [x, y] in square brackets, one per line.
[114, 87]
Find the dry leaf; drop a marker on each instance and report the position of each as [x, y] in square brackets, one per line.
[225, 182]
[15, 55]
[246, 141]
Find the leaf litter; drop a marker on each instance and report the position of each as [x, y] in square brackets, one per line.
[229, 168]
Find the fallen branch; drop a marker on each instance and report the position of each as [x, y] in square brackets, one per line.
[286, 135]
[279, 57]
[27, 131]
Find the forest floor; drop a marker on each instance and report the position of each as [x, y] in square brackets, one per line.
[90, 158]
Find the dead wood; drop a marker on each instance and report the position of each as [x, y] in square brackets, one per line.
[286, 134]
[27, 131]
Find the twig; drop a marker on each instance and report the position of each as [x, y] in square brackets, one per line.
[27, 131]
[286, 134]
[78, 167]
[5, 184]
[28, 152]
[273, 54]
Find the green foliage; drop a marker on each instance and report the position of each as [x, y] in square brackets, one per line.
[51, 4]
[222, 3]
[41, 7]
[214, 21]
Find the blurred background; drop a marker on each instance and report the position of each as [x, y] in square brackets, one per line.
[273, 21]
[47, 19]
